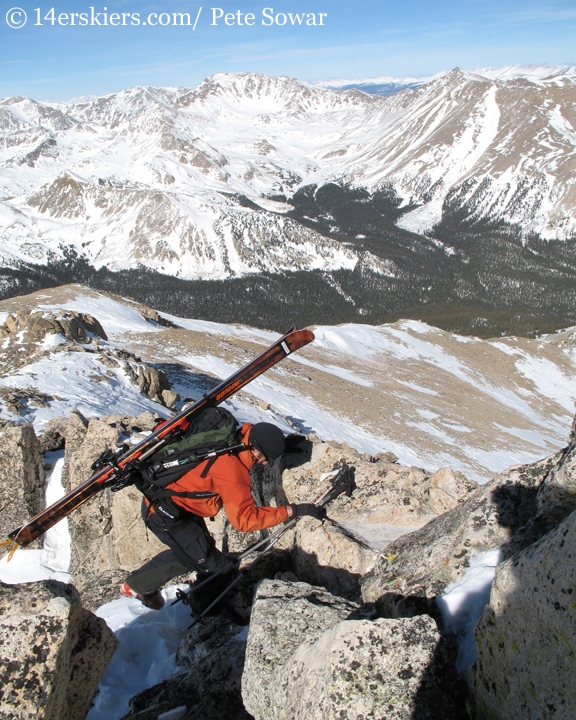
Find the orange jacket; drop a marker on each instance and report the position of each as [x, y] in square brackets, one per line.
[229, 478]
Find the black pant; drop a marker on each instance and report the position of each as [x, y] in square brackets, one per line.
[191, 548]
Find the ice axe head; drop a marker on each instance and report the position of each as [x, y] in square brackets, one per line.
[342, 482]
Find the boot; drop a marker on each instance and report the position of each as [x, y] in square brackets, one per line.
[153, 600]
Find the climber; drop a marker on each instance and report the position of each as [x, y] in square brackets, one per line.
[178, 521]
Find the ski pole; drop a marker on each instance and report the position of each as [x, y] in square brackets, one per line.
[320, 499]
[342, 482]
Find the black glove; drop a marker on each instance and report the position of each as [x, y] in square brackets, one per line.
[308, 509]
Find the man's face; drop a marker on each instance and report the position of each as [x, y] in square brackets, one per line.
[258, 457]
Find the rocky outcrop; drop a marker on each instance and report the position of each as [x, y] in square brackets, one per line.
[416, 568]
[107, 532]
[20, 400]
[557, 494]
[26, 332]
[155, 384]
[327, 554]
[52, 652]
[21, 476]
[90, 525]
[525, 640]
[390, 499]
[211, 660]
[283, 616]
[313, 656]
[526, 666]
[76, 326]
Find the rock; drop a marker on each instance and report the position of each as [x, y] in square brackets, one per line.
[283, 616]
[21, 476]
[131, 544]
[389, 501]
[92, 325]
[325, 554]
[152, 382]
[107, 532]
[526, 668]
[445, 491]
[66, 433]
[101, 589]
[37, 327]
[557, 494]
[10, 324]
[19, 400]
[132, 376]
[169, 399]
[311, 655]
[418, 567]
[144, 421]
[212, 658]
[388, 457]
[360, 669]
[73, 325]
[108, 361]
[90, 525]
[53, 652]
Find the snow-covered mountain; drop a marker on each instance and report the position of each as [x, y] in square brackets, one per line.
[429, 396]
[383, 86]
[389, 85]
[180, 180]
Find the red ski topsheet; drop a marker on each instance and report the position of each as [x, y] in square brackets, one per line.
[105, 477]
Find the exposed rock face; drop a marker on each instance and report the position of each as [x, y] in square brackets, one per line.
[91, 523]
[107, 532]
[363, 668]
[21, 476]
[526, 668]
[79, 332]
[309, 656]
[557, 494]
[325, 554]
[419, 566]
[283, 616]
[212, 658]
[53, 652]
[390, 499]
[66, 433]
[35, 326]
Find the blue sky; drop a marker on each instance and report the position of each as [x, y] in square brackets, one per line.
[56, 56]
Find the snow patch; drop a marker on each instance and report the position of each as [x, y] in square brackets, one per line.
[463, 603]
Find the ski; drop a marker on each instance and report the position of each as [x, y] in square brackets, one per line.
[113, 469]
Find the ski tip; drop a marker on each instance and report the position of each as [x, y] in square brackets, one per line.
[296, 340]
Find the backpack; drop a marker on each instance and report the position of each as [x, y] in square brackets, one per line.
[213, 433]
[214, 430]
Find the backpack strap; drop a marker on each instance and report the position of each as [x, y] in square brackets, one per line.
[153, 494]
[208, 466]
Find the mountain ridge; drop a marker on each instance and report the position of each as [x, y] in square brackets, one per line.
[460, 191]
[446, 145]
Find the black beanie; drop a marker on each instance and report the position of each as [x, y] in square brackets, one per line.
[268, 439]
